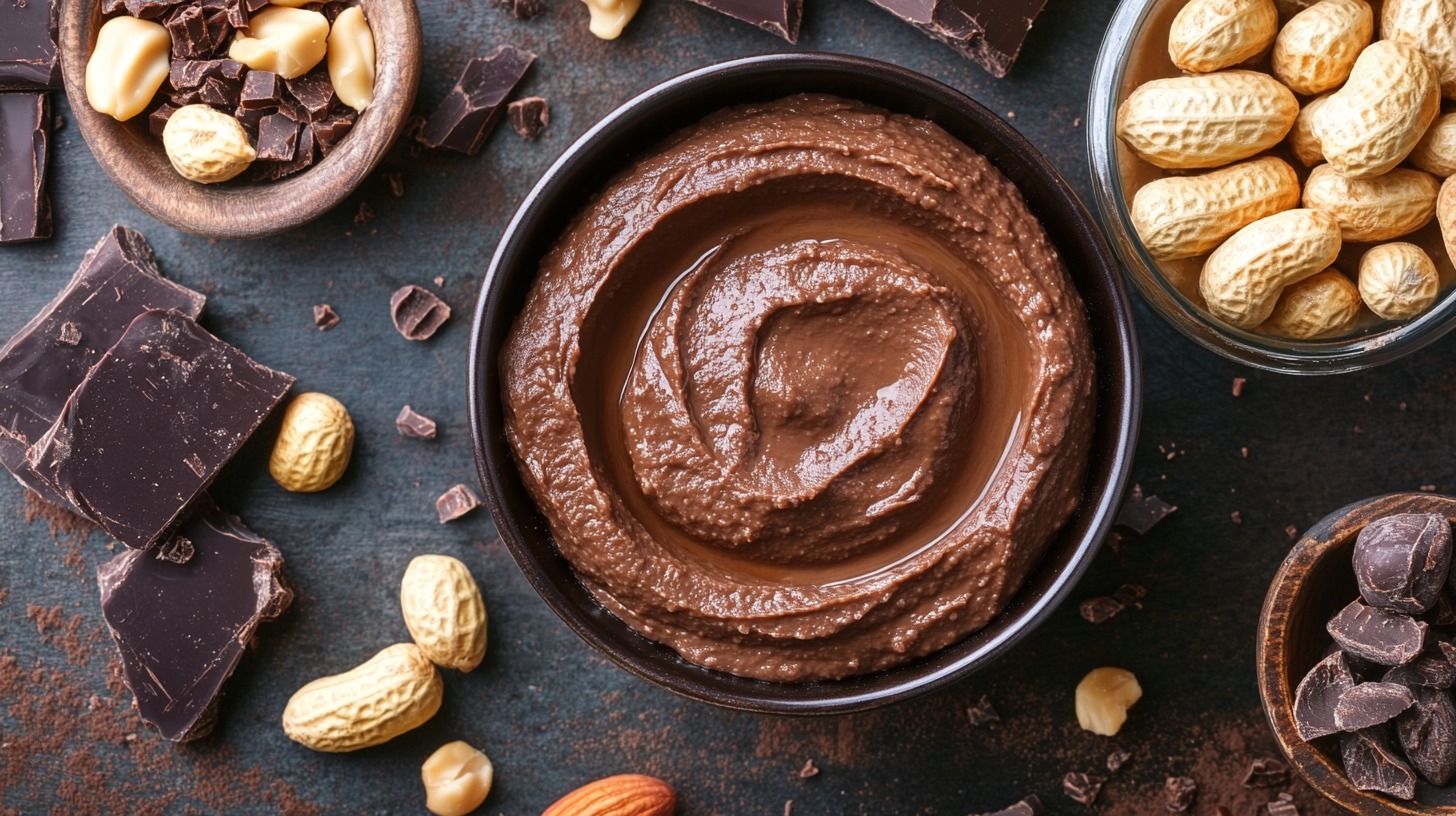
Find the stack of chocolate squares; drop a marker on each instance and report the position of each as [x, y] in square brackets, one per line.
[29, 71]
[117, 406]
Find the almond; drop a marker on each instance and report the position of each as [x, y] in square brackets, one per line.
[624, 795]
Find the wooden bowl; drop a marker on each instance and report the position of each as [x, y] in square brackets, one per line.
[136, 162]
[1316, 581]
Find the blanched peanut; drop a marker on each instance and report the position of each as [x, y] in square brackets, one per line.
[287, 41]
[1323, 305]
[609, 17]
[351, 59]
[1398, 281]
[128, 65]
[1103, 698]
[457, 779]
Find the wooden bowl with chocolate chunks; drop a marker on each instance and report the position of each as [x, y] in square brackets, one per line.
[1317, 592]
[271, 196]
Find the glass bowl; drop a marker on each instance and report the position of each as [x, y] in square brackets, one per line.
[1134, 51]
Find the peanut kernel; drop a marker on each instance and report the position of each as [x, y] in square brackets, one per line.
[128, 65]
[609, 17]
[351, 59]
[457, 779]
[1103, 698]
[287, 41]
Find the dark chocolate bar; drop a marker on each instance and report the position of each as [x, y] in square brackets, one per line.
[28, 46]
[151, 425]
[473, 106]
[988, 31]
[48, 358]
[25, 125]
[779, 17]
[182, 627]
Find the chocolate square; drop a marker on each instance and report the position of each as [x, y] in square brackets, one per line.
[473, 106]
[28, 46]
[25, 124]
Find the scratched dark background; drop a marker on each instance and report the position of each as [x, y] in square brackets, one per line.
[549, 712]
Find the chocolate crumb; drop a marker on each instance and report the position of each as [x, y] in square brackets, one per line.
[1428, 488]
[1030, 806]
[1179, 793]
[1266, 773]
[1283, 806]
[178, 551]
[789, 808]
[364, 214]
[1140, 513]
[325, 317]
[1236, 517]
[521, 9]
[417, 312]
[982, 712]
[414, 425]
[70, 333]
[1100, 609]
[1116, 760]
[809, 769]
[439, 280]
[456, 502]
[1238, 388]
[395, 182]
[529, 116]
[1081, 788]
[1291, 532]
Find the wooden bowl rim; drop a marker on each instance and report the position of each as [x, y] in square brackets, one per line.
[1276, 693]
[247, 210]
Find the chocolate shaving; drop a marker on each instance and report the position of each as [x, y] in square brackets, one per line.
[1283, 806]
[417, 312]
[809, 770]
[1141, 513]
[456, 502]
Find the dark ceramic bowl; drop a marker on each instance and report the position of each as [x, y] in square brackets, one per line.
[637, 127]
[1316, 581]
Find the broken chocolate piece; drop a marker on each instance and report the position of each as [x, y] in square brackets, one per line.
[313, 92]
[1426, 671]
[1427, 734]
[1081, 788]
[1117, 759]
[261, 90]
[28, 46]
[456, 502]
[1266, 773]
[364, 214]
[303, 158]
[988, 31]
[181, 628]
[1283, 806]
[40, 366]
[151, 424]
[779, 17]
[197, 31]
[395, 182]
[325, 317]
[157, 119]
[1318, 693]
[417, 312]
[982, 712]
[472, 107]
[414, 425]
[1372, 765]
[1370, 704]
[529, 116]
[1179, 793]
[188, 74]
[521, 9]
[1444, 612]
[1140, 513]
[1100, 609]
[1387, 638]
[25, 122]
[277, 138]
[328, 132]
[1401, 561]
[1030, 806]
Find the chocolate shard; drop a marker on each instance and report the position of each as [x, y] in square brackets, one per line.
[521, 9]
[277, 138]
[988, 31]
[25, 124]
[1317, 695]
[1117, 759]
[1100, 609]
[456, 502]
[261, 90]
[983, 713]
[1370, 704]
[1030, 806]
[151, 425]
[1402, 561]
[304, 155]
[329, 131]
[1283, 806]
[529, 116]
[324, 317]
[1081, 788]
[187, 74]
[1371, 764]
[313, 92]
[779, 17]
[1266, 773]
[414, 425]
[1387, 638]
[48, 358]
[1141, 513]
[417, 312]
[1427, 671]
[1179, 793]
[1427, 734]
[472, 107]
[197, 31]
[181, 628]
[157, 119]
[28, 46]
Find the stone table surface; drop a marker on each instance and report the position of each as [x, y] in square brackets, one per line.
[550, 712]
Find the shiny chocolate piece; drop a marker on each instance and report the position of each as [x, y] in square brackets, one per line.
[417, 312]
[1317, 695]
[182, 627]
[277, 138]
[262, 90]
[1402, 561]
[198, 31]
[189, 74]
[1371, 764]
[313, 92]
[48, 358]
[1430, 670]
[1427, 734]
[1370, 704]
[529, 116]
[324, 317]
[25, 125]
[151, 424]
[157, 119]
[329, 131]
[988, 31]
[1140, 513]
[456, 502]
[414, 425]
[1387, 638]
[303, 158]
[473, 106]
[28, 46]
[780, 17]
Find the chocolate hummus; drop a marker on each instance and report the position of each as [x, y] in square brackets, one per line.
[805, 394]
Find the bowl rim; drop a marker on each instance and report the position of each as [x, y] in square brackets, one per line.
[1313, 357]
[1276, 692]
[1119, 380]
[250, 210]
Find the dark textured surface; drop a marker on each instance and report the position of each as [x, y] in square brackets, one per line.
[549, 712]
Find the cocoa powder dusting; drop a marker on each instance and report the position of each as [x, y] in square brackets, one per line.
[61, 632]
